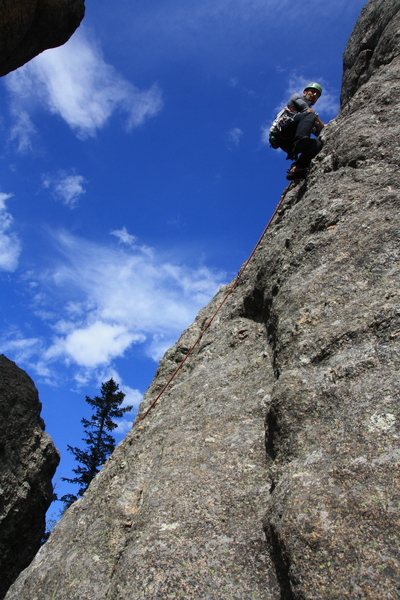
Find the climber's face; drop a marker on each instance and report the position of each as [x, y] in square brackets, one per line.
[311, 95]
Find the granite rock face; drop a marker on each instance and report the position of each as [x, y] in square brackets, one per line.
[27, 27]
[28, 460]
[268, 470]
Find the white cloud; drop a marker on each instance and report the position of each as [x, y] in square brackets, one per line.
[124, 237]
[10, 247]
[130, 240]
[74, 82]
[265, 134]
[99, 300]
[22, 130]
[25, 348]
[95, 344]
[27, 351]
[234, 135]
[124, 426]
[132, 396]
[65, 187]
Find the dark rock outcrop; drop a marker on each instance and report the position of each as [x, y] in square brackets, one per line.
[268, 470]
[28, 460]
[27, 27]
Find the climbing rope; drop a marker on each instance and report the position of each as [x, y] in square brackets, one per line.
[228, 293]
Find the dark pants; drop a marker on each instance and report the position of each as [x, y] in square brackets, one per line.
[301, 128]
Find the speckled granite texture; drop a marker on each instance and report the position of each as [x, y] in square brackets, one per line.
[269, 469]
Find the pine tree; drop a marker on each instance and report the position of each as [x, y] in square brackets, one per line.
[99, 443]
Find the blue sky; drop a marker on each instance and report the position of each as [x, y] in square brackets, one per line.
[136, 179]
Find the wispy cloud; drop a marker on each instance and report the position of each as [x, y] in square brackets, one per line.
[10, 247]
[124, 237]
[234, 136]
[110, 299]
[67, 188]
[22, 347]
[22, 130]
[76, 83]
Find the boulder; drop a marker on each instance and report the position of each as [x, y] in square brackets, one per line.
[27, 27]
[28, 460]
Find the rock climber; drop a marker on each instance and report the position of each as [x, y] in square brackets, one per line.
[293, 127]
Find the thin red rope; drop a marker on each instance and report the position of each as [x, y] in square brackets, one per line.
[228, 293]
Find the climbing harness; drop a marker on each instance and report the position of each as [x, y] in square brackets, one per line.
[228, 293]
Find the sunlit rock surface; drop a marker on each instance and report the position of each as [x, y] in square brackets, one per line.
[269, 468]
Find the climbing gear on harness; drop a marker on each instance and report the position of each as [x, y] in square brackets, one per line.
[314, 86]
[274, 140]
[281, 121]
[285, 117]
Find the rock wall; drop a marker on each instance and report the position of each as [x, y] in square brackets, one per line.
[27, 27]
[268, 470]
[28, 460]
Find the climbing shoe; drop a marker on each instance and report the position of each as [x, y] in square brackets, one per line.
[296, 173]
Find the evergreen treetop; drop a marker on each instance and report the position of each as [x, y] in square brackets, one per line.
[99, 443]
